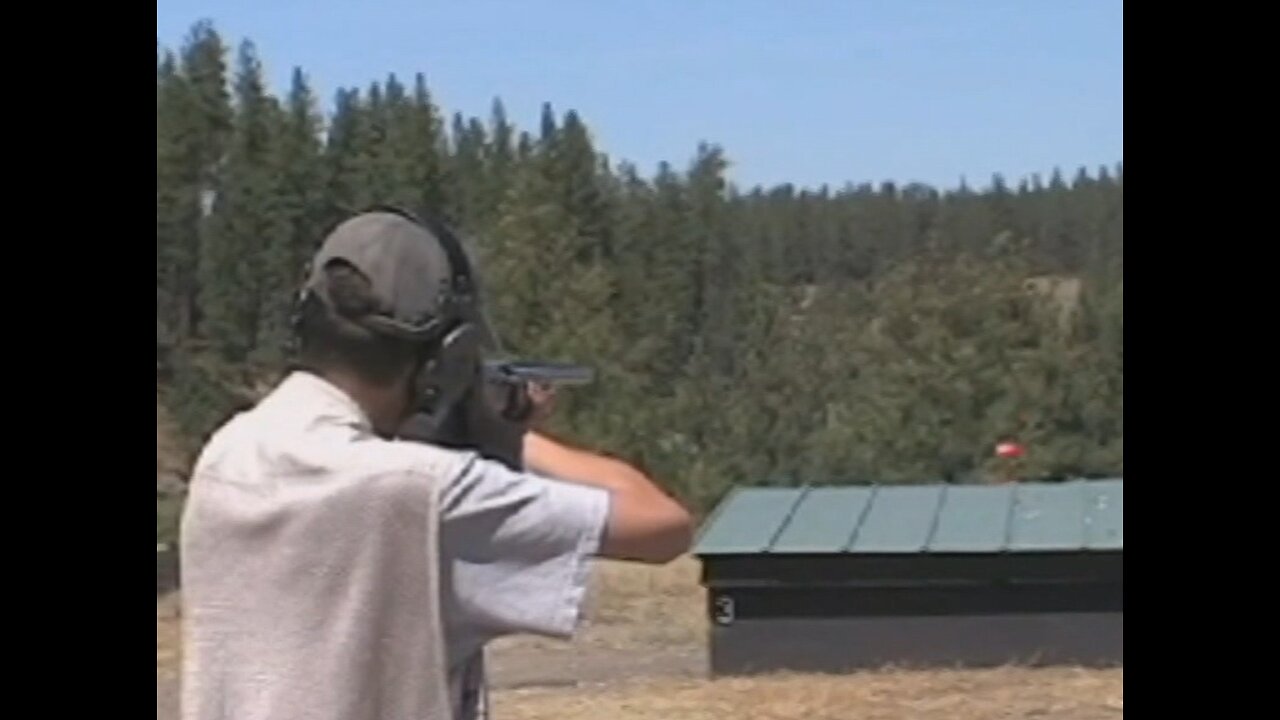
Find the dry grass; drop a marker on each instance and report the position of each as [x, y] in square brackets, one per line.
[937, 695]
[168, 636]
[637, 607]
[639, 616]
[667, 600]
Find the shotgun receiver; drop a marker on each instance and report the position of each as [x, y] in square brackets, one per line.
[518, 372]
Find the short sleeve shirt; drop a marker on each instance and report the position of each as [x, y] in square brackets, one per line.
[516, 549]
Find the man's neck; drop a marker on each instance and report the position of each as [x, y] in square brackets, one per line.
[382, 405]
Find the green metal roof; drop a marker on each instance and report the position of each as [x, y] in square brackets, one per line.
[1077, 515]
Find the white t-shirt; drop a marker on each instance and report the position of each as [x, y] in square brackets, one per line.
[514, 547]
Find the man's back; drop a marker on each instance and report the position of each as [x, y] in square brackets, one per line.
[332, 575]
[311, 567]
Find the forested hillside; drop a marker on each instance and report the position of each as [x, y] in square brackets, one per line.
[871, 332]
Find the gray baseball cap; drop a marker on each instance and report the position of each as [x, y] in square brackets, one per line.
[409, 271]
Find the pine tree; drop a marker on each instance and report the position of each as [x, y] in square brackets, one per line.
[297, 163]
[468, 174]
[502, 154]
[669, 288]
[250, 233]
[426, 151]
[549, 302]
[202, 115]
[715, 275]
[548, 130]
[572, 165]
[377, 157]
[177, 209]
[350, 157]
[301, 166]
[204, 66]
[524, 148]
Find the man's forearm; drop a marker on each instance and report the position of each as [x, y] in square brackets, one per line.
[546, 456]
[645, 523]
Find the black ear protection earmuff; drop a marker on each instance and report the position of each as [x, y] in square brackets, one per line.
[451, 359]
[451, 364]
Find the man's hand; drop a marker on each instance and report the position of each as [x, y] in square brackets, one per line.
[477, 423]
[543, 399]
[491, 419]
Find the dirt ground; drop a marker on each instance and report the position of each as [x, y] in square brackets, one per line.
[935, 695]
[641, 656]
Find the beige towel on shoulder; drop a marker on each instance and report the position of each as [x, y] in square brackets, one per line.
[310, 570]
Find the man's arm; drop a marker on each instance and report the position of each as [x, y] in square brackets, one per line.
[644, 523]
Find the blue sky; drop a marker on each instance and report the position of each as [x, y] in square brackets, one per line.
[801, 91]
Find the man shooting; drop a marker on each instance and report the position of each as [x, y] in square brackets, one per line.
[351, 543]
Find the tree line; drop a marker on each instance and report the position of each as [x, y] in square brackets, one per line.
[781, 335]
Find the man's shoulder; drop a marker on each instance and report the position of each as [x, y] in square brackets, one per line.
[413, 459]
[260, 444]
